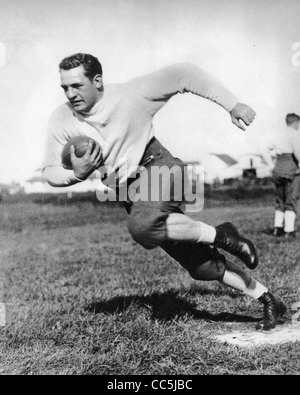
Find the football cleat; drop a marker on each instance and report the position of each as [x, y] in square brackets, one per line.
[273, 308]
[229, 239]
[290, 235]
[277, 232]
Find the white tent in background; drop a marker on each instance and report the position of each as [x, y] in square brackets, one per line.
[219, 167]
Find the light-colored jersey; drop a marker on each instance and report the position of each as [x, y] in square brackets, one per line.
[122, 120]
[287, 141]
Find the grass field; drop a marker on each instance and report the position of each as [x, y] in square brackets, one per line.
[83, 298]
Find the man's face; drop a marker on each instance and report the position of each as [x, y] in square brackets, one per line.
[82, 93]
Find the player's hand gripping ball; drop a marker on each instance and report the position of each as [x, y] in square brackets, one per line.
[80, 144]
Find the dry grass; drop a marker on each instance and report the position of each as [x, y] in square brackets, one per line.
[83, 298]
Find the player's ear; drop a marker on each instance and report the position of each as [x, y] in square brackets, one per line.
[98, 82]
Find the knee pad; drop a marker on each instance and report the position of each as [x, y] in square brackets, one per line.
[212, 270]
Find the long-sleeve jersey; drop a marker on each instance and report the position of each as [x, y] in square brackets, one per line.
[121, 121]
[286, 142]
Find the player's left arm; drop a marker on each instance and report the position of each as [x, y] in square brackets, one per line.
[242, 112]
[160, 86]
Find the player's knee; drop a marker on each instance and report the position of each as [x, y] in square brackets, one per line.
[210, 271]
[137, 229]
[147, 232]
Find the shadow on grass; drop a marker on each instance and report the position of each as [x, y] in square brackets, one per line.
[163, 307]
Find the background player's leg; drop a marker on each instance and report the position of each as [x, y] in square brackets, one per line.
[291, 206]
[279, 208]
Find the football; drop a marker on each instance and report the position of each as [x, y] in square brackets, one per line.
[80, 143]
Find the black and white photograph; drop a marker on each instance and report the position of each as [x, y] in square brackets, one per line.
[149, 190]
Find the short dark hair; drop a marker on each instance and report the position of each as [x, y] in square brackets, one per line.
[90, 63]
[291, 118]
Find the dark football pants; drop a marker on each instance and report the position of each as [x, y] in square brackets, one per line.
[147, 221]
[287, 194]
[287, 183]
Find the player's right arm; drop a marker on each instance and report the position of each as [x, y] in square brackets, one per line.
[85, 166]
[57, 136]
[58, 176]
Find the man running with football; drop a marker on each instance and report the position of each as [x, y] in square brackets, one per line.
[119, 118]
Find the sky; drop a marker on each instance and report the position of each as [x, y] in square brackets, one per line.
[248, 44]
